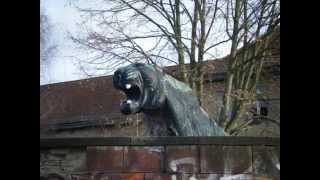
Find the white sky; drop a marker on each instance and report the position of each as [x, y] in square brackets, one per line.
[63, 18]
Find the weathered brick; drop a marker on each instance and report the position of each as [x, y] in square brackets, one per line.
[262, 178]
[106, 176]
[54, 176]
[266, 162]
[200, 176]
[225, 159]
[81, 177]
[216, 177]
[105, 159]
[159, 176]
[131, 176]
[143, 159]
[237, 177]
[182, 159]
[62, 161]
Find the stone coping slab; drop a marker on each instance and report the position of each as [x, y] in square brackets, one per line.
[156, 141]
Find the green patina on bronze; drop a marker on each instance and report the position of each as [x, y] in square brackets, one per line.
[169, 106]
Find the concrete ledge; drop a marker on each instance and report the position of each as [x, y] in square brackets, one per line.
[156, 141]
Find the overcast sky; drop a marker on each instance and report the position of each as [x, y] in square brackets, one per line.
[63, 18]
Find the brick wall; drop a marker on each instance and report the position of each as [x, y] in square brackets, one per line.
[176, 158]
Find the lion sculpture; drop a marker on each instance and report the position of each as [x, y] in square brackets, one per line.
[169, 106]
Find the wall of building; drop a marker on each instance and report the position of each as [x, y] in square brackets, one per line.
[213, 101]
[180, 158]
[90, 108]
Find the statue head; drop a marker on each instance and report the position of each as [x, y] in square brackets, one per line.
[141, 84]
[168, 104]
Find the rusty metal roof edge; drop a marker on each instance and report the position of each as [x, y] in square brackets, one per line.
[156, 141]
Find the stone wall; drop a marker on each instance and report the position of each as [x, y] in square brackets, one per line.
[176, 158]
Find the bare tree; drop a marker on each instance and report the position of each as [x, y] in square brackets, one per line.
[184, 31]
[181, 31]
[252, 23]
[47, 48]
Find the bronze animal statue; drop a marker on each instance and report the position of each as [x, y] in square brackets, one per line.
[169, 106]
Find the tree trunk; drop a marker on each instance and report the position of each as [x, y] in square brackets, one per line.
[202, 41]
[182, 68]
[192, 70]
[227, 108]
